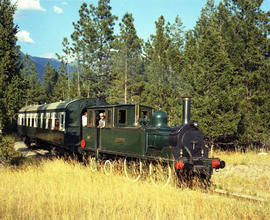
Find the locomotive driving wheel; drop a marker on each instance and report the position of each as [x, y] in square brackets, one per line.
[108, 167]
[93, 164]
[133, 166]
[158, 175]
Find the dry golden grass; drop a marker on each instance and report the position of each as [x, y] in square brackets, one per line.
[61, 189]
[247, 173]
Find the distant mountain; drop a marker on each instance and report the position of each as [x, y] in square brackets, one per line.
[40, 63]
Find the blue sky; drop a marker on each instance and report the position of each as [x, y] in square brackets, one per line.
[44, 23]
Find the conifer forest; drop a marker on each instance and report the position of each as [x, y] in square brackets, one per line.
[223, 63]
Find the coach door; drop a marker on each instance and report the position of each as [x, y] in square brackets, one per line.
[88, 129]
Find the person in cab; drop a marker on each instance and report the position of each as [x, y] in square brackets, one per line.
[101, 123]
[84, 119]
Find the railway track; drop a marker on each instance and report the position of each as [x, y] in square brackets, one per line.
[235, 195]
[29, 151]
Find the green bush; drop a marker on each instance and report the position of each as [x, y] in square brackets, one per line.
[7, 151]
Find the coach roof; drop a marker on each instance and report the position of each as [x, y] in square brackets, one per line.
[62, 105]
[51, 106]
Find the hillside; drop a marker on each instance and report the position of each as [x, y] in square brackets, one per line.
[40, 63]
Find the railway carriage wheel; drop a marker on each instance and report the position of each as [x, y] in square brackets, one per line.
[26, 141]
[126, 173]
[152, 176]
[108, 167]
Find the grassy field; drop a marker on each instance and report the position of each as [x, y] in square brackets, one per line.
[247, 173]
[58, 189]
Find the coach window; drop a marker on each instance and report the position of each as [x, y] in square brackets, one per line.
[38, 120]
[56, 121]
[47, 120]
[19, 120]
[44, 121]
[50, 121]
[35, 120]
[122, 115]
[28, 120]
[23, 118]
[56, 124]
[41, 120]
[32, 120]
[62, 121]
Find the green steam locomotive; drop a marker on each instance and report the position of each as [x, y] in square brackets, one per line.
[135, 132]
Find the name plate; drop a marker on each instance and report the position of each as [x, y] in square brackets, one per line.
[120, 140]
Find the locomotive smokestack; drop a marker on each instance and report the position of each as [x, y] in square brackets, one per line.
[186, 110]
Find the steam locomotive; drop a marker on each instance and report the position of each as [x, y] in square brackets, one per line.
[131, 131]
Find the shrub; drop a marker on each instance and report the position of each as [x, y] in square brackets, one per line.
[7, 152]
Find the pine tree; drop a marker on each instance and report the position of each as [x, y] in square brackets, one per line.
[162, 89]
[50, 78]
[245, 27]
[91, 48]
[11, 83]
[33, 90]
[65, 69]
[210, 75]
[128, 64]
[61, 88]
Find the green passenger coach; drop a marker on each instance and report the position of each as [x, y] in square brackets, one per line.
[57, 124]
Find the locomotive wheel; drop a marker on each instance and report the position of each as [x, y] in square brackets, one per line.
[126, 173]
[53, 151]
[93, 164]
[152, 176]
[108, 167]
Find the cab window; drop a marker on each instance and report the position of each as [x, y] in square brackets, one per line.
[144, 114]
[109, 119]
[122, 116]
[101, 116]
[90, 120]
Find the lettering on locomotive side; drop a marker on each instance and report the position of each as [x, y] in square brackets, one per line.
[120, 140]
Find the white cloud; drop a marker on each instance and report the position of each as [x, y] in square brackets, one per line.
[58, 10]
[64, 3]
[28, 5]
[24, 36]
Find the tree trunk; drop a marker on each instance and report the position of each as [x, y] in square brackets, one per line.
[126, 77]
